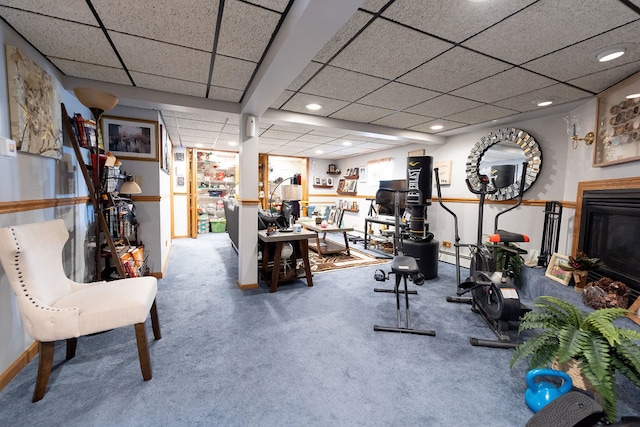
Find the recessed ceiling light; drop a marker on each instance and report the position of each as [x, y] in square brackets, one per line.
[346, 143]
[313, 106]
[199, 145]
[633, 96]
[232, 143]
[437, 127]
[610, 54]
[319, 151]
[544, 103]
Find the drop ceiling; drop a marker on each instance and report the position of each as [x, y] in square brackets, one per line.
[384, 71]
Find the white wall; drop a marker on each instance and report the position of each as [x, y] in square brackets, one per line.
[562, 169]
[32, 177]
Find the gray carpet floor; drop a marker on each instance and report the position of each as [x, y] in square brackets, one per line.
[300, 357]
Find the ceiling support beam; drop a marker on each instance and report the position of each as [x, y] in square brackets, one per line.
[308, 26]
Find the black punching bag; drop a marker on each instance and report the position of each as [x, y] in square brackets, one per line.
[419, 173]
[505, 175]
[420, 245]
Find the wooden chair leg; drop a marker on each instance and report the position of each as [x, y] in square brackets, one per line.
[71, 348]
[155, 323]
[45, 363]
[143, 351]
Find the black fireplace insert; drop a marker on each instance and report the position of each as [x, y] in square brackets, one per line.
[610, 230]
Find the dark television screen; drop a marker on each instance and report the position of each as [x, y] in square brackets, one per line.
[386, 199]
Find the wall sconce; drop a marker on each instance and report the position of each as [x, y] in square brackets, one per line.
[572, 131]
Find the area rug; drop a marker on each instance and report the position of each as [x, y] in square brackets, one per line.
[338, 261]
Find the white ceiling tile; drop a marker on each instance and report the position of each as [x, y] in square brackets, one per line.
[361, 113]
[300, 145]
[580, 59]
[231, 72]
[72, 10]
[401, 120]
[341, 84]
[442, 106]
[448, 125]
[598, 82]
[453, 20]
[166, 84]
[152, 57]
[225, 94]
[190, 132]
[337, 133]
[397, 96]
[305, 75]
[277, 5]
[374, 5]
[317, 139]
[549, 25]
[284, 97]
[503, 85]
[158, 21]
[348, 30]
[187, 123]
[481, 114]
[299, 100]
[276, 134]
[382, 50]
[57, 38]
[236, 40]
[90, 71]
[301, 129]
[558, 93]
[274, 142]
[453, 69]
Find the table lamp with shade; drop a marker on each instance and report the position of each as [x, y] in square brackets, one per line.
[290, 192]
[129, 186]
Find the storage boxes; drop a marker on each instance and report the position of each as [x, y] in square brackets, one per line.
[218, 225]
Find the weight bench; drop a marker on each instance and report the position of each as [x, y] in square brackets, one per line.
[403, 267]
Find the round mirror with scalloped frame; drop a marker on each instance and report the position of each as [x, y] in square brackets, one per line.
[500, 155]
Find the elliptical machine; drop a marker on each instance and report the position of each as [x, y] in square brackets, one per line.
[493, 293]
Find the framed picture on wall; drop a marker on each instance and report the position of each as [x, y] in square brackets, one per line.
[132, 139]
[617, 137]
[330, 181]
[316, 180]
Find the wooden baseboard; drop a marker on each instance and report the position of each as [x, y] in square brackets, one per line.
[15, 368]
[247, 286]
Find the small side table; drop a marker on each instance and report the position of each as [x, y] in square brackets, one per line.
[324, 246]
[273, 244]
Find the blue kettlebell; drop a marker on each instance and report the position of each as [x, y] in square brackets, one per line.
[541, 393]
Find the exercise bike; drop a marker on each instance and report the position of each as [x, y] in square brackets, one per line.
[493, 293]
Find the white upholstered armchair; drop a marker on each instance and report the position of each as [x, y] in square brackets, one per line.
[53, 307]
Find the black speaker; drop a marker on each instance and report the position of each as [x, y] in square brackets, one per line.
[419, 173]
[573, 409]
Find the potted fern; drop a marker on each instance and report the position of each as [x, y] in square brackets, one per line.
[598, 347]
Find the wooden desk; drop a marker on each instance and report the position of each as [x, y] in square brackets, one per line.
[324, 246]
[273, 244]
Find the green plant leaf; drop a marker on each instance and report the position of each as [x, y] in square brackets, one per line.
[602, 320]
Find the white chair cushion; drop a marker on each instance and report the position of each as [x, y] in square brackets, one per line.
[107, 305]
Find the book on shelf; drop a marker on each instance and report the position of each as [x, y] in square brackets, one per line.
[79, 127]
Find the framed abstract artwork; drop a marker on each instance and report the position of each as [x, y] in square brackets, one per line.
[34, 105]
